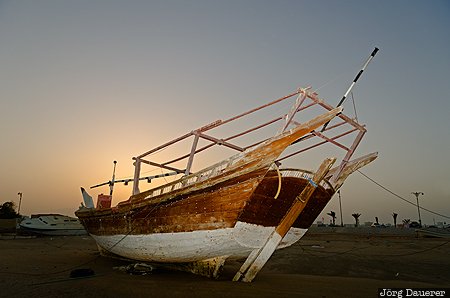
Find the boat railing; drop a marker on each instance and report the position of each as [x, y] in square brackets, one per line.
[207, 173]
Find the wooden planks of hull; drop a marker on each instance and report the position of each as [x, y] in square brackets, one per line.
[263, 209]
[215, 208]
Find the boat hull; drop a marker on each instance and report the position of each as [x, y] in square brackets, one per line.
[227, 220]
[185, 247]
[203, 215]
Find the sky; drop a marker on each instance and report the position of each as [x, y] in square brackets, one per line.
[84, 83]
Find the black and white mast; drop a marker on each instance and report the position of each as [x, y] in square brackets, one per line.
[374, 52]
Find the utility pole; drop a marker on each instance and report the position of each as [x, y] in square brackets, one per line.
[20, 201]
[340, 207]
[417, 193]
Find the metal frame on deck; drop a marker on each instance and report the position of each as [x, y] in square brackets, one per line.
[305, 99]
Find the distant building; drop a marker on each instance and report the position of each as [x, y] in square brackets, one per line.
[320, 223]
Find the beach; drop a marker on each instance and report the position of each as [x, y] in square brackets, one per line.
[325, 263]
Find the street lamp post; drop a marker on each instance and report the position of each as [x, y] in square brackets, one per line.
[417, 193]
[340, 207]
[20, 201]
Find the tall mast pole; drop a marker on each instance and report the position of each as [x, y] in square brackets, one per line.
[374, 52]
[340, 207]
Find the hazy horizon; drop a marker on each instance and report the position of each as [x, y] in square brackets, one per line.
[84, 83]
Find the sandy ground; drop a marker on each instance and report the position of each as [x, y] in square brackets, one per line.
[320, 265]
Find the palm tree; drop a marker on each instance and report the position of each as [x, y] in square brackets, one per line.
[356, 216]
[333, 216]
[406, 223]
[394, 215]
[7, 210]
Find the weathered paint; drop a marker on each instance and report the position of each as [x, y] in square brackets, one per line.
[263, 209]
[183, 247]
[263, 256]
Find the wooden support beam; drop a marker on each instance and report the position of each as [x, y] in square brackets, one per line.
[258, 258]
[348, 156]
[349, 168]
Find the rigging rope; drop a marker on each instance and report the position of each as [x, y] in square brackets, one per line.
[332, 80]
[398, 196]
[354, 107]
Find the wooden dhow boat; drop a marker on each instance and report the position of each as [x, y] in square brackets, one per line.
[246, 206]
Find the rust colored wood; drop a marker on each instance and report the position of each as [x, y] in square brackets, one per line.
[213, 208]
[301, 200]
[263, 209]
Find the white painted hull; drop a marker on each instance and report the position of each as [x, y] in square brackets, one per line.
[194, 246]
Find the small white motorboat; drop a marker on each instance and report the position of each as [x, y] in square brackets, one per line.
[52, 224]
